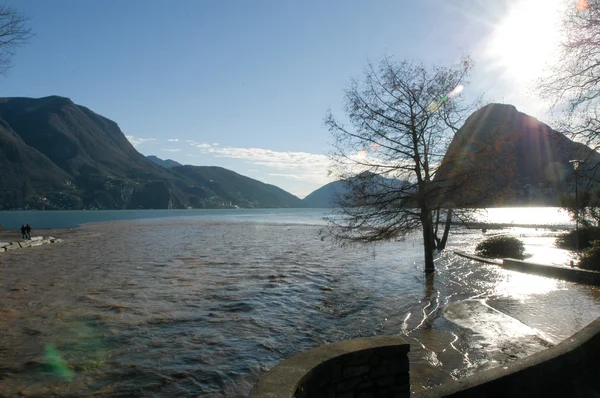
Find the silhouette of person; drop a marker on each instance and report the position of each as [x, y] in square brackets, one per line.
[28, 230]
[23, 231]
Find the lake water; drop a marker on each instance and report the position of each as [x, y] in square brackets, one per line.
[202, 304]
[74, 218]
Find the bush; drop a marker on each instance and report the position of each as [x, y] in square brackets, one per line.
[587, 235]
[501, 246]
[590, 258]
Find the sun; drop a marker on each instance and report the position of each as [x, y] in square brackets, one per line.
[525, 41]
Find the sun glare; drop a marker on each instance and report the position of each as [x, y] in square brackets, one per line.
[526, 40]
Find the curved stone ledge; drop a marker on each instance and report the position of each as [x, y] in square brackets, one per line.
[568, 369]
[369, 367]
[33, 242]
[552, 271]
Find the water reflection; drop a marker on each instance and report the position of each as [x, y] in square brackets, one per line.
[202, 309]
[526, 215]
[520, 286]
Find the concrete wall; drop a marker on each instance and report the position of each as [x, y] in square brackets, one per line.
[569, 369]
[359, 368]
[567, 274]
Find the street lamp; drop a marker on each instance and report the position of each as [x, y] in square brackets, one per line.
[576, 164]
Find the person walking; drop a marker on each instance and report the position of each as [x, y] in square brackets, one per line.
[28, 230]
[23, 231]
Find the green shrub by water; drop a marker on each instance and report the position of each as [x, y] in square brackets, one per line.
[501, 246]
[590, 258]
[587, 235]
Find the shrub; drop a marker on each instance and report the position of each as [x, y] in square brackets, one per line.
[587, 235]
[590, 258]
[501, 246]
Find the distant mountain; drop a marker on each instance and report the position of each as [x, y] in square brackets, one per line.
[324, 197]
[513, 158]
[58, 155]
[238, 189]
[329, 194]
[166, 163]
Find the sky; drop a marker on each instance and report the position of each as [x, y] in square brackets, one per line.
[245, 85]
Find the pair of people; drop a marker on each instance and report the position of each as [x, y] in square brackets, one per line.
[26, 231]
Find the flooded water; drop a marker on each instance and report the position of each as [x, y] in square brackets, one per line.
[202, 307]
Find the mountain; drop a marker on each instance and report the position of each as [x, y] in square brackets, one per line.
[25, 171]
[512, 158]
[329, 194]
[58, 155]
[104, 170]
[503, 157]
[166, 163]
[239, 190]
[325, 196]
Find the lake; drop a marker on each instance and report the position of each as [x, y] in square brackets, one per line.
[203, 303]
[74, 218]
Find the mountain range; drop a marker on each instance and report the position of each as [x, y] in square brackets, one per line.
[503, 157]
[58, 155]
[55, 154]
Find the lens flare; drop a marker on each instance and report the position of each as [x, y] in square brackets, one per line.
[57, 364]
[582, 5]
[457, 90]
[434, 106]
[362, 154]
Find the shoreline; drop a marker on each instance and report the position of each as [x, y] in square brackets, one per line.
[12, 235]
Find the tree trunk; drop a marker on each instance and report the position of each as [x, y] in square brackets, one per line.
[442, 244]
[428, 240]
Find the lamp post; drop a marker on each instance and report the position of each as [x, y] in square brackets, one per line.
[576, 164]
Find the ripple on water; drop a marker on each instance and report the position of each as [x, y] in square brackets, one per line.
[197, 309]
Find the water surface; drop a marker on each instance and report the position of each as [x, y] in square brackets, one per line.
[199, 306]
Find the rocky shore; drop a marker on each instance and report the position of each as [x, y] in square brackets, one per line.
[33, 242]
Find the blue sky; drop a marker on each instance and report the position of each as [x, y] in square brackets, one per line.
[245, 84]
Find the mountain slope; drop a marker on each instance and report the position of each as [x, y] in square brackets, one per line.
[73, 137]
[52, 148]
[166, 163]
[26, 172]
[324, 197]
[513, 157]
[105, 169]
[237, 189]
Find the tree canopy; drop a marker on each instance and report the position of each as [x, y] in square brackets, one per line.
[402, 116]
[573, 85]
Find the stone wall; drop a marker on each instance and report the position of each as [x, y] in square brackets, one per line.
[569, 369]
[359, 368]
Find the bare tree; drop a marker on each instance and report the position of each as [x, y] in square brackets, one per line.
[573, 85]
[573, 90]
[13, 33]
[402, 116]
